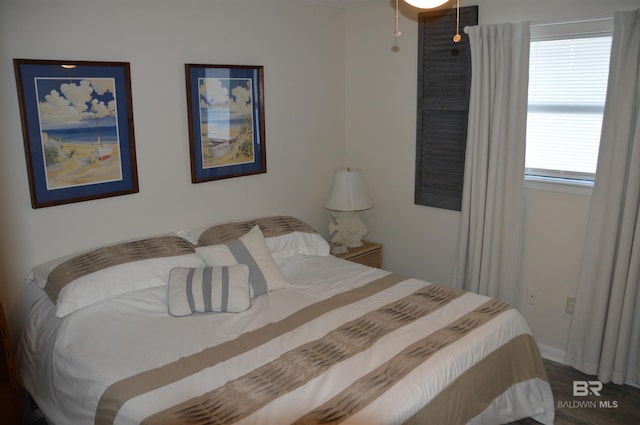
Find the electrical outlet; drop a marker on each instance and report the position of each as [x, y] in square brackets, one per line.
[532, 295]
[571, 303]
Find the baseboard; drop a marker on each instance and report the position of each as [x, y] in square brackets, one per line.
[550, 353]
[556, 355]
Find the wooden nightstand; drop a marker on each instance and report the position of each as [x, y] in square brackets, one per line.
[369, 254]
[9, 400]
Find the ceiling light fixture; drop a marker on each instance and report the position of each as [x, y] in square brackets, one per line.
[430, 4]
[397, 32]
[426, 4]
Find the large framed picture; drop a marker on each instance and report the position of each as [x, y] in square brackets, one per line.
[77, 125]
[225, 105]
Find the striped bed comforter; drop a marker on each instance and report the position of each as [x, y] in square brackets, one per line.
[344, 344]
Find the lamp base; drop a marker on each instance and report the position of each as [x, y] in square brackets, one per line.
[346, 228]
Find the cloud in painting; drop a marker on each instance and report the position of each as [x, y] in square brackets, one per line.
[56, 109]
[213, 94]
[78, 95]
[77, 103]
[102, 85]
[102, 109]
[242, 103]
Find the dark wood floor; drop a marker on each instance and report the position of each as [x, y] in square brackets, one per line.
[568, 412]
[589, 410]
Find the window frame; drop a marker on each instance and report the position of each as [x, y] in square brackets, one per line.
[558, 180]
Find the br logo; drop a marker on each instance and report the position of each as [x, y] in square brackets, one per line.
[584, 388]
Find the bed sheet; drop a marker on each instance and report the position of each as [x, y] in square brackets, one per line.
[69, 364]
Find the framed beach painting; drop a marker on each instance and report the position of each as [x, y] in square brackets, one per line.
[225, 105]
[77, 124]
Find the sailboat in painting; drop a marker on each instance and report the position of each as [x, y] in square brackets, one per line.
[102, 152]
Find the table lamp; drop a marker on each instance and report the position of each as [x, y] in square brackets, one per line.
[348, 197]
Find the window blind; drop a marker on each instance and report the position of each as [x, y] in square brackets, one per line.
[444, 81]
[568, 74]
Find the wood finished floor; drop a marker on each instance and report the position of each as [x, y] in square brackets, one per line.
[561, 377]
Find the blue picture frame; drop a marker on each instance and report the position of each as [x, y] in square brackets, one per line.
[77, 125]
[225, 105]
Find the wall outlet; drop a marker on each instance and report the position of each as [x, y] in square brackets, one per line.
[571, 303]
[532, 295]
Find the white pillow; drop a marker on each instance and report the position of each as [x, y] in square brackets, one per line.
[40, 273]
[118, 280]
[294, 243]
[89, 277]
[249, 249]
[209, 289]
[285, 236]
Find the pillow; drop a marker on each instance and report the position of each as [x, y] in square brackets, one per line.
[105, 273]
[209, 289]
[40, 273]
[294, 243]
[285, 236]
[249, 249]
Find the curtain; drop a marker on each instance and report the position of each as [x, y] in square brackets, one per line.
[489, 248]
[605, 328]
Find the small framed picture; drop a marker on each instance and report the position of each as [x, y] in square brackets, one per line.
[225, 105]
[77, 124]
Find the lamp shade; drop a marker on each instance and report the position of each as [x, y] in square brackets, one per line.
[349, 193]
[426, 4]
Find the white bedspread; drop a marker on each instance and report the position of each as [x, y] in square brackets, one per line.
[67, 364]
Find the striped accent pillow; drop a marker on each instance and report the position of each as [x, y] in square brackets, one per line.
[209, 289]
[249, 249]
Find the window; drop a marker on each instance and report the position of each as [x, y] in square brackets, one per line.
[568, 72]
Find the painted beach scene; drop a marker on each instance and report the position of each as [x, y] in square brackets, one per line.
[79, 131]
[226, 121]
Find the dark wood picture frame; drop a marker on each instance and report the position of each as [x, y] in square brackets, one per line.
[77, 125]
[225, 105]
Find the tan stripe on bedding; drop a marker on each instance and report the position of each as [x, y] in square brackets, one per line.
[516, 361]
[240, 397]
[109, 256]
[120, 392]
[371, 386]
[269, 226]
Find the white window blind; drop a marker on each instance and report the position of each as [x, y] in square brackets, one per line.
[568, 72]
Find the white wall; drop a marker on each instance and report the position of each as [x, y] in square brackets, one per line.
[333, 97]
[301, 46]
[381, 113]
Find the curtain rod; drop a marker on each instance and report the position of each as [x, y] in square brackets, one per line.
[567, 21]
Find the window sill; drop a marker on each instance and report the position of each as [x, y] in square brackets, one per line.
[550, 184]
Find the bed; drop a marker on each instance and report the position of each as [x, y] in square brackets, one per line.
[254, 322]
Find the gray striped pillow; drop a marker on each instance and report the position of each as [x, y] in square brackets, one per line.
[209, 289]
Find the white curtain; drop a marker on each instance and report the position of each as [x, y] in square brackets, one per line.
[605, 328]
[490, 240]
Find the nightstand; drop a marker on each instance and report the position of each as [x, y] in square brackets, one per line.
[369, 254]
[9, 401]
